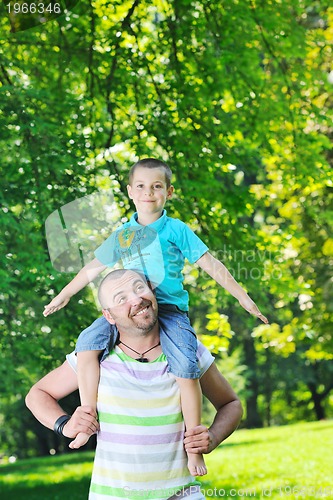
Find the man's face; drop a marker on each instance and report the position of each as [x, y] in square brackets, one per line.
[131, 304]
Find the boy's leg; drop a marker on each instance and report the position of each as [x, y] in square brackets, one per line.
[191, 402]
[179, 344]
[88, 379]
[100, 335]
[93, 345]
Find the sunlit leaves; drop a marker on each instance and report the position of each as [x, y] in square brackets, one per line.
[236, 96]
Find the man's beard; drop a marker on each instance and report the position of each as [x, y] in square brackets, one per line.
[146, 327]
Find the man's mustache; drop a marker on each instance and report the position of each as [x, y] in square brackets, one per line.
[144, 303]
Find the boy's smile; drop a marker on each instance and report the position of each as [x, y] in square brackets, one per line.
[149, 192]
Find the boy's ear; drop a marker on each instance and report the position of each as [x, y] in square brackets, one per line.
[108, 317]
[129, 191]
[170, 192]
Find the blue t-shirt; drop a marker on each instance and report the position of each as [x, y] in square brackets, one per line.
[158, 250]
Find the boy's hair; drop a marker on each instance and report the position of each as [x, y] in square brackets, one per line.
[152, 163]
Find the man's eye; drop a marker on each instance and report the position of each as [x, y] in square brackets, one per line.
[121, 300]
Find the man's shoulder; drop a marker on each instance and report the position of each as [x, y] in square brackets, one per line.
[201, 348]
[205, 358]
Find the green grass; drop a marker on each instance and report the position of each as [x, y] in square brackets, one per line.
[280, 462]
[287, 462]
[48, 478]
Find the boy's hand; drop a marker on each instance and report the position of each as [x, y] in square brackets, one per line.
[199, 440]
[84, 419]
[249, 306]
[57, 303]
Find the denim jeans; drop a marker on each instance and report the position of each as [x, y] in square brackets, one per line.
[178, 340]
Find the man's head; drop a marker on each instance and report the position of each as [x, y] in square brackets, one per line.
[128, 302]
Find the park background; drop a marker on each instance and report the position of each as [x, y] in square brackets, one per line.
[237, 97]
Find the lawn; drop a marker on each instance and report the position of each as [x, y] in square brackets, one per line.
[280, 462]
[287, 462]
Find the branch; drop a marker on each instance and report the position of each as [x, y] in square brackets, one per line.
[5, 75]
[124, 25]
[281, 67]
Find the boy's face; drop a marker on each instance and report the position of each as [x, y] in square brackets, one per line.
[149, 190]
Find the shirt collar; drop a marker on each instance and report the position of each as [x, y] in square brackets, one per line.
[157, 225]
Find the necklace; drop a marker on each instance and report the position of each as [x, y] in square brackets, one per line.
[141, 354]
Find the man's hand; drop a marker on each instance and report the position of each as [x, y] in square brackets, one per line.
[199, 440]
[57, 303]
[84, 419]
[249, 306]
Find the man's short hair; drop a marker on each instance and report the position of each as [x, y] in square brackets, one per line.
[152, 163]
[115, 275]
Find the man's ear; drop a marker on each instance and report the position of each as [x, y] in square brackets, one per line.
[108, 317]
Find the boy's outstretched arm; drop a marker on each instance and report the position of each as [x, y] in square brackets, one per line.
[87, 274]
[221, 275]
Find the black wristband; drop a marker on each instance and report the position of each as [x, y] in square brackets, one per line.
[60, 424]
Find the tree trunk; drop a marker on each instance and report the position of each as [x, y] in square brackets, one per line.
[317, 401]
[253, 418]
[268, 389]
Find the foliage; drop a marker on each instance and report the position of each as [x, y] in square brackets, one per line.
[237, 98]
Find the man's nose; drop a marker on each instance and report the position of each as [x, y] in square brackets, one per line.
[135, 299]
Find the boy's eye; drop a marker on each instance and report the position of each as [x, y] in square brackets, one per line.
[140, 186]
[157, 186]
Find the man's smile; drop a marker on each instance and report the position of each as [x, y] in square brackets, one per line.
[141, 311]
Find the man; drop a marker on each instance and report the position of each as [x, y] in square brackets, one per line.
[140, 448]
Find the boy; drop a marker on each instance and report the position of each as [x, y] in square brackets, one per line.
[150, 187]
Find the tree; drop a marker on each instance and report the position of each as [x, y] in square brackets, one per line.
[236, 98]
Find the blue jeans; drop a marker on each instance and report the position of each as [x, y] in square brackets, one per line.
[178, 340]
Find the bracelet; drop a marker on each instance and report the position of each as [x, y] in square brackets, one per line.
[60, 424]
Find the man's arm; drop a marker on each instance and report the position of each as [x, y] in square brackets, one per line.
[228, 414]
[42, 401]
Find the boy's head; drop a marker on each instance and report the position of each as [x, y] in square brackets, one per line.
[152, 163]
[149, 188]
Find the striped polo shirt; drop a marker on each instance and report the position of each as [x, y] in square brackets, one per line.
[140, 452]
